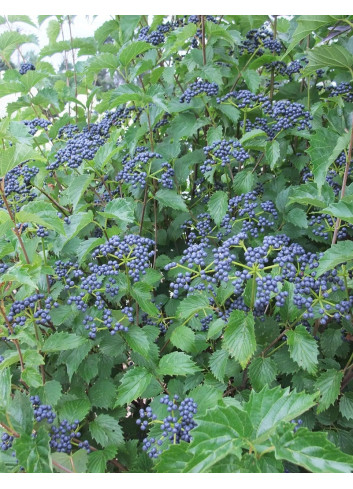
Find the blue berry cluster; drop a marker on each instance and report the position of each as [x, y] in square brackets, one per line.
[33, 125]
[222, 153]
[62, 437]
[6, 442]
[42, 411]
[134, 169]
[18, 186]
[32, 306]
[176, 426]
[343, 89]
[259, 40]
[26, 67]
[197, 88]
[130, 251]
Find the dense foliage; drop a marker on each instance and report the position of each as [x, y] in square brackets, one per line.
[176, 214]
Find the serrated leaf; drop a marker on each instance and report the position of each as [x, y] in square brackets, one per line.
[218, 364]
[239, 337]
[5, 387]
[183, 338]
[130, 51]
[342, 209]
[169, 198]
[298, 217]
[262, 371]
[15, 155]
[243, 182]
[141, 292]
[177, 363]
[63, 341]
[73, 193]
[325, 147]
[33, 452]
[137, 340]
[42, 213]
[333, 56]
[303, 349]
[329, 384]
[76, 462]
[97, 461]
[346, 405]
[269, 408]
[312, 451]
[191, 305]
[217, 206]
[102, 393]
[75, 409]
[338, 253]
[106, 431]
[307, 24]
[133, 383]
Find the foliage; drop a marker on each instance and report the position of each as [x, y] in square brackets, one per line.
[176, 260]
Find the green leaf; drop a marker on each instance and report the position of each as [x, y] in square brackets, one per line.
[273, 153]
[303, 349]
[217, 206]
[308, 194]
[97, 461]
[174, 459]
[130, 51]
[75, 409]
[218, 434]
[183, 338]
[312, 451]
[141, 292]
[342, 209]
[191, 305]
[262, 372]
[77, 462]
[239, 337]
[33, 452]
[307, 24]
[243, 182]
[42, 213]
[177, 363]
[11, 40]
[102, 394]
[15, 155]
[78, 186]
[53, 31]
[269, 408]
[137, 340]
[338, 253]
[169, 198]
[298, 217]
[215, 329]
[346, 405]
[104, 155]
[120, 209]
[333, 56]
[63, 341]
[5, 387]
[32, 377]
[106, 431]
[325, 147]
[218, 364]
[231, 112]
[133, 383]
[329, 384]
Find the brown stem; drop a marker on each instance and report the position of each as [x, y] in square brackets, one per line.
[60, 207]
[274, 342]
[344, 182]
[155, 232]
[143, 210]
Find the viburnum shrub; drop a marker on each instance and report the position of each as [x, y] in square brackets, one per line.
[176, 254]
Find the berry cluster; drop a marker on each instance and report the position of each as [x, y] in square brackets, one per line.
[18, 184]
[42, 411]
[176, 426]
[197, 88]
[62, 437]
[6, 441]
[31, 307]
[258, 40]
[222, 153]
[26, 67]
[35, 123]
[343, 89]
[130, 251]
